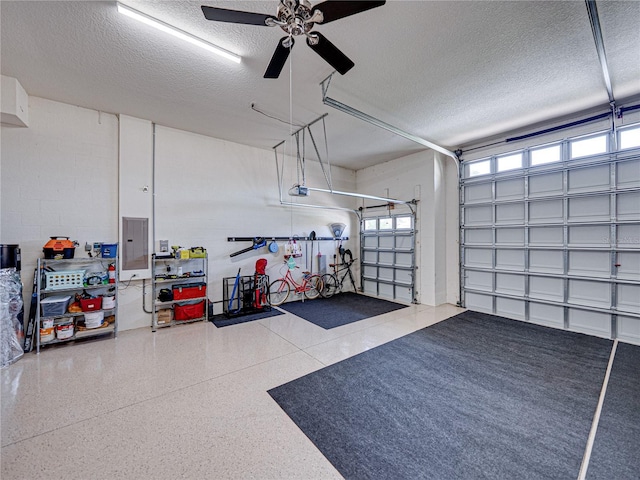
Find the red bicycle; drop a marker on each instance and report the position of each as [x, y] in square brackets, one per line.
[279, 289]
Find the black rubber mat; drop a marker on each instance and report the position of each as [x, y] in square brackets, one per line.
[223, 321]
[340, 309]
[616, 450]
[475, 396]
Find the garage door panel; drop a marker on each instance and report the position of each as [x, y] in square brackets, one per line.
[370, 257]
[386, 242]
[629, 174]
[478, 280]
[510, 189]
[546, 211]
[629, 236]
[550, 184]
[370, 242]
[592, 264]
[589, 209]
[386, 290]
[546, 288]
[545, 236]
[404, 259]
[629, 329]
[370, 287]
[370, 271]
[510, 259]
[510, 307]
[629, 266]
[478, 193]
[478, 236]
[585, 292]
[510, 236]
[385, 273]
[478, 302]
[478, 257]
[510, 284]
[403, 294]
[385, 258]
[480, 215]
[546, 261]
[404, 276]
[510, 213]
[589, 179]
[404, 242]
[548, 315]
[592, 323]
[629, 206]
[589, 235]
[629, 298]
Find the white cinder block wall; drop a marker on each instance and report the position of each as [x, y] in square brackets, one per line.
[60, 177]
[430, 178]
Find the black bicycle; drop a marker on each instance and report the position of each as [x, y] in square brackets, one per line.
[333, 282]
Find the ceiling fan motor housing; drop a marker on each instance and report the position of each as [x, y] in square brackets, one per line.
[296, 17]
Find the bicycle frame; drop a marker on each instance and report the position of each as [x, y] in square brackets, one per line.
[311, 286]
[298, 288]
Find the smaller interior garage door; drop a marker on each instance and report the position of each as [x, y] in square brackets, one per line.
[387, 244]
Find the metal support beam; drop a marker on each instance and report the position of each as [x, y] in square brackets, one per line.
[379, 123]
[592, 9]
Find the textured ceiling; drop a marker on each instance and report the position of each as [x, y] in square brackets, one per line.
[450, 72]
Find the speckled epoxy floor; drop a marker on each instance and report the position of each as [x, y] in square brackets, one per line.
[185, 402]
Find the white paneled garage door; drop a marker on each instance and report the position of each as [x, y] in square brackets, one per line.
[387, 244]
[551, 235]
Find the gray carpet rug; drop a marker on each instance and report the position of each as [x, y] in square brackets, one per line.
[340, 309]
[616, 450]
[475, 396]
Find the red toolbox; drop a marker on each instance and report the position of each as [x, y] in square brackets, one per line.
[188, 311]
[189, 290]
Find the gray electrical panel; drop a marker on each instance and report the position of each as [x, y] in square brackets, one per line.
[135, 242]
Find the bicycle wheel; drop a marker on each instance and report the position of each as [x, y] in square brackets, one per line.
[330, 285]
[279, 291]
[314, 287]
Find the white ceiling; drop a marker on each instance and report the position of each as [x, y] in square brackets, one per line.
[452, 72]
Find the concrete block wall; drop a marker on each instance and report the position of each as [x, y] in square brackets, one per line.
[60, 177]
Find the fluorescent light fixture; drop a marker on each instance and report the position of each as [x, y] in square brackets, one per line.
[181, 34]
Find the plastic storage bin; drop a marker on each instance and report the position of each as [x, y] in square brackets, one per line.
[65, 279]
[91, 304]
[54, 305]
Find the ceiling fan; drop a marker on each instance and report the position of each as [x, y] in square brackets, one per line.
[297, 17]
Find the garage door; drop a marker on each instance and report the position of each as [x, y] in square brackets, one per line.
[387, 244]
[551, 235]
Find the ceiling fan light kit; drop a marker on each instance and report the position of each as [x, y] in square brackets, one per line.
[298, 17]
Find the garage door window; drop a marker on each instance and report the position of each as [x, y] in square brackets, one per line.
[588, 146]
[629, 138]
[540, 156]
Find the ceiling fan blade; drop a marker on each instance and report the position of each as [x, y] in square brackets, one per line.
[331, 54]
[235, 16]
[335, 10]
[278, 59]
